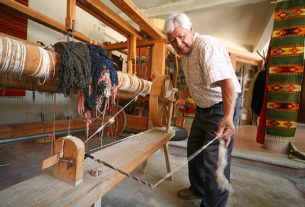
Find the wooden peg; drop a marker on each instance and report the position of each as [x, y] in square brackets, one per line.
[70, 166]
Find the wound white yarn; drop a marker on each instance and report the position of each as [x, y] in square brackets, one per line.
[1, 49]
[14, 60]
[53, 65]
[21, 69]
[44, 72]
[15, 68]
[6, 61]
[223, 183]
[14, 46]
[38, 67]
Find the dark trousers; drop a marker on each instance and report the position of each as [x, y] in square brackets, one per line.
[203, 167]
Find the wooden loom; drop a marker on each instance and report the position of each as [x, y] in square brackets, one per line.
[34, 191]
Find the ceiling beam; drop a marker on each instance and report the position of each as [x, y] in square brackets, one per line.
[131, 10]
[100, 11]
[42, 19]
[191, 5]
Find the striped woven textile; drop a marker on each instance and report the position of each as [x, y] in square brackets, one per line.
[13, 23]
[286, 68]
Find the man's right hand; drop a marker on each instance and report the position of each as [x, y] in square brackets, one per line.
[179, 104]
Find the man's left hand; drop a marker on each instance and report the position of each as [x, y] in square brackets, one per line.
[226, 129]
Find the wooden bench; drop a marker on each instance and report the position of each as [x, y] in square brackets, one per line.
[45, 190]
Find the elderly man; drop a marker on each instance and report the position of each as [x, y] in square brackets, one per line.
[215, 89]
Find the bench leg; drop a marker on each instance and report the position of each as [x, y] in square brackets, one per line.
[167, 161]
[142, 167]
[97, 203]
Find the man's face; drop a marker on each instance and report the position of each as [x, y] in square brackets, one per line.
[181, 40]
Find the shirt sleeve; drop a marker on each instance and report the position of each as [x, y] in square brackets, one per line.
[214, 61]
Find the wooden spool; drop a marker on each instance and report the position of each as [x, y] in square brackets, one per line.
[74, 150]
[160, 95]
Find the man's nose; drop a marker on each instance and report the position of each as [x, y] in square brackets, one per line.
[178, 41]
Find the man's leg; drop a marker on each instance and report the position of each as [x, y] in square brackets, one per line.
[213, 196]
[195, 166]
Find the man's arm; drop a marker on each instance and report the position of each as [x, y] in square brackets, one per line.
[226, 127]
[181, 100]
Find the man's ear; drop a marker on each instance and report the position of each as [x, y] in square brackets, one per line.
[191, 29]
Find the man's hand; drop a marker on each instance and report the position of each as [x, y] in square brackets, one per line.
[226, 129]
[179, 104]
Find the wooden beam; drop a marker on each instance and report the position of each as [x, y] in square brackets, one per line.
[130, 9]
[123, 155]
[124, 45]
[32, 128]
[100, 11]
[71, 17]
[43, 19]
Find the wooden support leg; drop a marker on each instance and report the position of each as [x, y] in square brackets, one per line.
[97, 203]
[142, 167]
[167, 161]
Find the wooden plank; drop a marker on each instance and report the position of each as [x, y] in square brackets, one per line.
[43, 19]
[124, 45]
[44, 190]
[100, 11]
[130, 9]
[25, 129]
[249, 61]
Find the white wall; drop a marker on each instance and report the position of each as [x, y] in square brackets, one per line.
[24, 109]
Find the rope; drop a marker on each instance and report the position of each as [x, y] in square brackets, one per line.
[112, 118]
[53, 134]
[69, 125]
[161, 180]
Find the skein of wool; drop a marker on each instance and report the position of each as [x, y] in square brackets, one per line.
[223, 183]
[74, 67]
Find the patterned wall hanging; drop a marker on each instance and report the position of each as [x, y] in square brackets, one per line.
[285, 70]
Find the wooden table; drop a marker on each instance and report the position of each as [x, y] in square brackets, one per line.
[45, 190]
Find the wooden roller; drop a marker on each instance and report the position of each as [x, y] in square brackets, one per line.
[33, 65]
[32, 59]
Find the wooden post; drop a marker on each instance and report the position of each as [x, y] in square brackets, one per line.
[158, 58]
[233, 60]
[132, 53]
[70, 18]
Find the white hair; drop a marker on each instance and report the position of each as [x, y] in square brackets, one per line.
[177, 19]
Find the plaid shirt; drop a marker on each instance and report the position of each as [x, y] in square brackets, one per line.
[207, 63]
